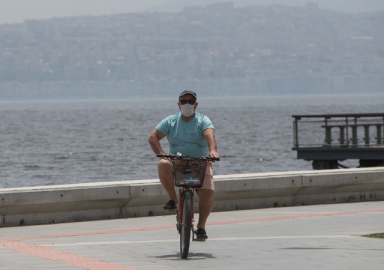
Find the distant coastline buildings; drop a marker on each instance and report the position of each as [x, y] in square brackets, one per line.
[218, 49]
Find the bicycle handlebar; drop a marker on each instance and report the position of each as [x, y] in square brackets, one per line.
[173, 157]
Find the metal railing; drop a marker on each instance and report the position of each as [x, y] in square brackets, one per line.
[339, 130]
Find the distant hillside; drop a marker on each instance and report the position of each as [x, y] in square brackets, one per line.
[351, 6]
[219, 48]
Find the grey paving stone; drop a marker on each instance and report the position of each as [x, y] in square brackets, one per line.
[323, 242]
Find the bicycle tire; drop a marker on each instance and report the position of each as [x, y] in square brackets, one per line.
[186, 225]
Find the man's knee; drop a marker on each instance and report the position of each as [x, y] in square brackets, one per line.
[164, 166]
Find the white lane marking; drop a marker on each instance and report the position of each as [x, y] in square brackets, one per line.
[110, 243]
[272, 212]
[281, 237]
[210, 239]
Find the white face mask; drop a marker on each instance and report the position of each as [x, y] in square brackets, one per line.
[187, 109]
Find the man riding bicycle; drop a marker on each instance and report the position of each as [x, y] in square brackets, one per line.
[192, 134]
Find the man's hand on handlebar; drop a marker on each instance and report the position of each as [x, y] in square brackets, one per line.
[165, 158]
[213, 154]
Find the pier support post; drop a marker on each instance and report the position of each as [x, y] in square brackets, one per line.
[342, 136]
[366, 133]
[354, 134]
[379, 137]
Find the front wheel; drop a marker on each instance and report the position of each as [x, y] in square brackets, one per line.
[186, 225]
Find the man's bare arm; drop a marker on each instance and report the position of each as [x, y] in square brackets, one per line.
[209, 135]
[154, 140]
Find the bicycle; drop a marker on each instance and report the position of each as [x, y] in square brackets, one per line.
[189, 174]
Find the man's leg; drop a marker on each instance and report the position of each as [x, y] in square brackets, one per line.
[167, 178]
[205, 206]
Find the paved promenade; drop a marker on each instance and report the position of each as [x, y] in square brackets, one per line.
[305, 237]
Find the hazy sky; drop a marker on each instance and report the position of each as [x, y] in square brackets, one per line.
[16, 11]
[353, 6]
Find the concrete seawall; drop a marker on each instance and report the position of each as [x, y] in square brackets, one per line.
[124, 199]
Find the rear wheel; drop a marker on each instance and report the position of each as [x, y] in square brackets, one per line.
[186, 225]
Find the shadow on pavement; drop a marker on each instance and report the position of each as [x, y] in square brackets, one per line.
[191, 256]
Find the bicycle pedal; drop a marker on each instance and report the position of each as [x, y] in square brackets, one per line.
[171, 210]
[200, 240]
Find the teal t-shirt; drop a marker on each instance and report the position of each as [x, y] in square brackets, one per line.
[186, 137]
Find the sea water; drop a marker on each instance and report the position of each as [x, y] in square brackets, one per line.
[79, 141]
